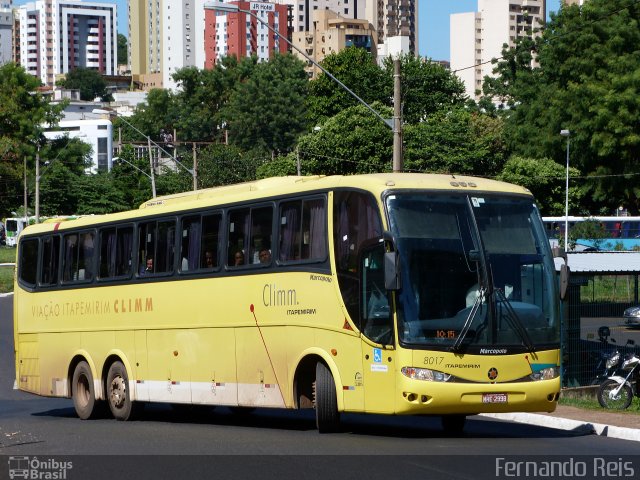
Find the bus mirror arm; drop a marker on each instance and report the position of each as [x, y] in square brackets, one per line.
[391, 271]
[564, 270]
[387, 236]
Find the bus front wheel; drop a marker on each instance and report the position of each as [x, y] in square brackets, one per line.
[82, 391]
[118, 392]
[326, 401]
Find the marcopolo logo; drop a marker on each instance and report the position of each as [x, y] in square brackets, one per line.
[38, 469]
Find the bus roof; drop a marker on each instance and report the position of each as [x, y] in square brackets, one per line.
[276, 186]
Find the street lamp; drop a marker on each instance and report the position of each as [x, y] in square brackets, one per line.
[566, 133]
[151, 177]
[394, 123]
[99, 111]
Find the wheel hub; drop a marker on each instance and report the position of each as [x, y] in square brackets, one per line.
[118, 392]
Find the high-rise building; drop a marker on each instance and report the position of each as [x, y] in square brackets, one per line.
[331, 33]
[243, 35]
[478, 37]
[57, 36]
[145, 41]
[302, 10]
[183, 34]
[6, 33]
[396, 23]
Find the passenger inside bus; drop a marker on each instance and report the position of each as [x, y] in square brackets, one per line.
[265, 256]
[147, 268]
[238, 258]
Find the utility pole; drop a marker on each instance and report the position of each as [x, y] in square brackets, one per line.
[38, 185]
[397, 118]
[26, 216]
[153, 176]
[195, 168]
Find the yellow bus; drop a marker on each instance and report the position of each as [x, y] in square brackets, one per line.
[382, 293]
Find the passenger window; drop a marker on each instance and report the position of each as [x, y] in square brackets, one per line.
[199, 242]
[250, 235]
[303, 230]
[28, 261]
[156, 247]
[116, 247]
[50, 260]
[78, 257]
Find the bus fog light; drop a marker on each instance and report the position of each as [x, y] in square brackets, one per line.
[416, 373]
[546, 374]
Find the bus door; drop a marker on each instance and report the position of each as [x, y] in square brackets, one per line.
[376, 326]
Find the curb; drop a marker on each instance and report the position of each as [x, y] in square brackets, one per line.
[577, 426]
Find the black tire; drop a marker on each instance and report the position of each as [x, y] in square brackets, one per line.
[118, 393]
[453, 424]
[621, 402]
[83, 392]
[326, 400]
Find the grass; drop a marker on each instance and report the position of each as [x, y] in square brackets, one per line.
[7, 255]
[588, 402]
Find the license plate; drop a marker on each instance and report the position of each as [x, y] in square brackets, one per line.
[494, 398]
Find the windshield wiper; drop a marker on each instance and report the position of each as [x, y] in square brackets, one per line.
[469, 320]
[515, 321]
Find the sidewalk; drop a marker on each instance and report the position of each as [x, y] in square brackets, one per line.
[625, 426]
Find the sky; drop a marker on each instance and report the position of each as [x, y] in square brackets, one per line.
[433, 22]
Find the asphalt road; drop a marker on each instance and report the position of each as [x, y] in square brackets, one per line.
[272, 443]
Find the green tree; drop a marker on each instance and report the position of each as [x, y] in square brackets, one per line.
[455, 141]
[353, 141]
[426, 86]
[24, 113]
[546, 180]
[123, 52]
[267, 110]
[63, 164]
[355, 68]
[226, 164]
[587, 82]
[97, 195]
[158, 113]
[88, 81]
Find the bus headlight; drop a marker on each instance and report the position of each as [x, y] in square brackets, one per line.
[416, 373]
[546, 374]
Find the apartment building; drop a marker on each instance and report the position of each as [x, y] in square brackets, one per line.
[6, 33]
[478, 37]
[145, 42]
[329, 33]
[303, 10]
[396, 24]
[57, 36]
[239, 34]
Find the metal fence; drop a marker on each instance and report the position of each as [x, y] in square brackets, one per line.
[593, 324]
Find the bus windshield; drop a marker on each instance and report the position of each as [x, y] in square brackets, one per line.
[477, 272]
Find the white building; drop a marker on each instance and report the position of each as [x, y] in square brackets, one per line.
[95, 132]
[57, 36]
[6, 33]
[183, 35]
[478, 37]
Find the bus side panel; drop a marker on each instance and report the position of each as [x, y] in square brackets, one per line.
[213, 373]
[170, 357]
[28, 359]
[55, 349]
[257, 380]
[141, 368]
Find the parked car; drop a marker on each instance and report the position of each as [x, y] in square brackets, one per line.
[632, 316]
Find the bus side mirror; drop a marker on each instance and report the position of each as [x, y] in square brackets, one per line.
[564, 280]
[391, 271]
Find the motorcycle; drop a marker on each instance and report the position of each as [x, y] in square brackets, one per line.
[617, 391]
[607, 362]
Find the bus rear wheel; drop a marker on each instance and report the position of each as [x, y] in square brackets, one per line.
[326, 400]
[119, 394]
[82, 391]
